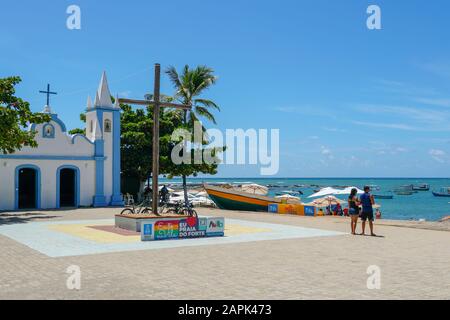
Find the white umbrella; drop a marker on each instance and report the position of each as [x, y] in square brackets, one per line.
[348, 191]
[324, 192]
[327, 201]
[255, 189]
[288, 197]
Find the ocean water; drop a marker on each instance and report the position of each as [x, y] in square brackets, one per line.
[420, 205]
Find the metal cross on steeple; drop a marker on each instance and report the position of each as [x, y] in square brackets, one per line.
[48, 92]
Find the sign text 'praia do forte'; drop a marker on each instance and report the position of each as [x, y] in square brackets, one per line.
[182, 228]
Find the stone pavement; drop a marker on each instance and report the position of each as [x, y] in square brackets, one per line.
[414, 263]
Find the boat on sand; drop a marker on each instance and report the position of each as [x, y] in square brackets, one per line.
[235, 199]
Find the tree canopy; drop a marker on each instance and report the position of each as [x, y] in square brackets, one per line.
[15, 116]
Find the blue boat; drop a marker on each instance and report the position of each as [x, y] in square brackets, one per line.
[444, 192]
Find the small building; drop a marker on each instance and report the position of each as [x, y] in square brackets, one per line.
[67, 170]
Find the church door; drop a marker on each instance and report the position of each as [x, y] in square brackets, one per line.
[27, 188]
[67, 183]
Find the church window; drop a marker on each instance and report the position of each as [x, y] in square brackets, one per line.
[48, 131]
[91, 126]
[107, 125]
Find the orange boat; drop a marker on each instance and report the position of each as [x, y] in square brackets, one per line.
[232, 199]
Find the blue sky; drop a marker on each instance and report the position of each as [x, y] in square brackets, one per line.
[349, 102]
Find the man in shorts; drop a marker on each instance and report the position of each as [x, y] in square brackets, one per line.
[367, 202]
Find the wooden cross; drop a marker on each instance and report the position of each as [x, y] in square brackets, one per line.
[48, 92]
[157, 104]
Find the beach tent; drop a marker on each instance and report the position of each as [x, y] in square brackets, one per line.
[255, 189]
[348, 190]
[324, 192]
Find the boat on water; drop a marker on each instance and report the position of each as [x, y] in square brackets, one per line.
[405, 190]
[383, 196]
[234, 199]
[443, 192]
[421, 187]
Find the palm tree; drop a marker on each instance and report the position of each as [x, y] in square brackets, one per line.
[189, 86]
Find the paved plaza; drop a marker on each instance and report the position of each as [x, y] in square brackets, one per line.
[262, 256]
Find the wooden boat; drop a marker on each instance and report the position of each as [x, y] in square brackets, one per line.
[232, 199]
[444, 192]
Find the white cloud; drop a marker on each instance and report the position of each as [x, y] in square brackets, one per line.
[434, 101]
[399, 126]
[438, 155]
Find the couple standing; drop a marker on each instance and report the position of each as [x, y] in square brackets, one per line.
[366, 201]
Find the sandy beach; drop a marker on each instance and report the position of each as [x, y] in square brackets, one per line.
[412, 257]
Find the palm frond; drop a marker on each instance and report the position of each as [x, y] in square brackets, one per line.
[202, 111]
[207, 103]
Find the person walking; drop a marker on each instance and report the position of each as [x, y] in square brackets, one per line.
[367, 202]
[353, 209]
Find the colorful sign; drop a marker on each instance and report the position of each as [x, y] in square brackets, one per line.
[166, 229]
[185, 228]
[215, 227]
[189, 228]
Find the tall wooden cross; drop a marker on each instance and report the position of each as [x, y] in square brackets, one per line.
[48, 92]
[156, 104]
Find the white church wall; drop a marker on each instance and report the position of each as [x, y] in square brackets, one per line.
[48, 173]
[61, 145]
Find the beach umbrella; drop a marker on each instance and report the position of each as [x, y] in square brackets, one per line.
[327, 201]
[324, 192]
[255, 189]
[348, 190]
[288, 197]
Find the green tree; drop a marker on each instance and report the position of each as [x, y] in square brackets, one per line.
[15, 115]
[190, 86]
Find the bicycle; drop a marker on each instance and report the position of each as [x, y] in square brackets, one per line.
[181, 208]
[143, 208]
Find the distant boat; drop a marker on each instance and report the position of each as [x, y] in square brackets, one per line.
[374, 187]
[405, 190]
[383, 196]
[421, 187]
[231, 199]
[444, 192]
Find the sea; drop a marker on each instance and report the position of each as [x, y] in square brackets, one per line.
[418, 206]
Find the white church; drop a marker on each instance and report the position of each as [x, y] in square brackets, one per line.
[67, 170]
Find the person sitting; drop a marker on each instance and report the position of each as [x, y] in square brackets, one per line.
[164, 194]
